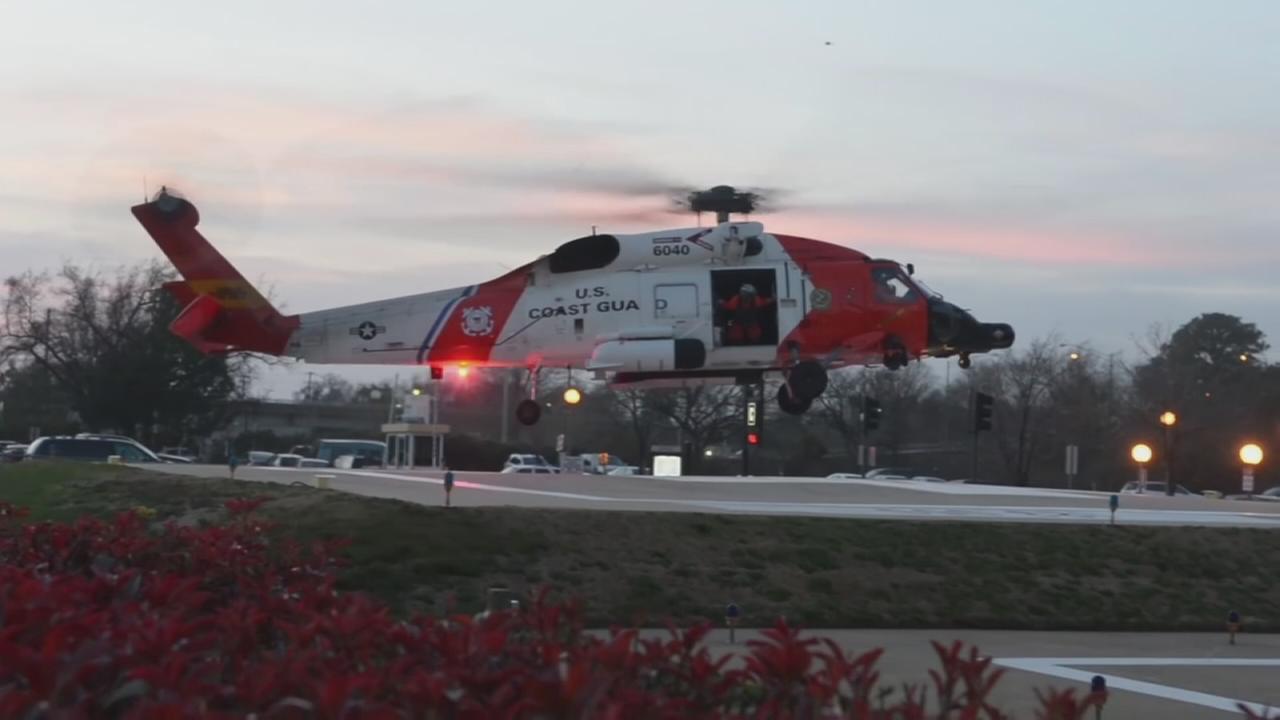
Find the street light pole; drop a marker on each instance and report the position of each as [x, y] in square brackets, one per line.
[1168, 419]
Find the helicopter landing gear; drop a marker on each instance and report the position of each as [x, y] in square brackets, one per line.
[805, 381]
[965, 362]
[895, 354]
[528, 411]
[792, 405]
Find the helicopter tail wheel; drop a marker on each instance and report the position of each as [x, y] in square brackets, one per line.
[528, 411]
[807, 379]
[790, 404]
[965, 361]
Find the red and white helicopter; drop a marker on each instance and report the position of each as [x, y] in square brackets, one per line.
[725, 304]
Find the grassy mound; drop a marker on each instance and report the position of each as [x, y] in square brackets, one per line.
[819, 572]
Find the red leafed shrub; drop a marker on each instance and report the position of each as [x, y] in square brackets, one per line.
[115, 620]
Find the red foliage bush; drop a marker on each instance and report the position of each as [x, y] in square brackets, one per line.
[110, 619]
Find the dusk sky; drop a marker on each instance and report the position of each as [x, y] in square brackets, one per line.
[1086, 168]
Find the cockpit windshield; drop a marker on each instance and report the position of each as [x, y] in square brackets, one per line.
[891, 285]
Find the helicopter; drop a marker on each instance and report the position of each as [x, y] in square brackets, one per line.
[727, 303]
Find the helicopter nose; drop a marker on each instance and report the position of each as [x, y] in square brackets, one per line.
[1000, 335]
[954, 330]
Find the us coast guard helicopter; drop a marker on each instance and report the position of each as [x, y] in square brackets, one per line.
[721, 304]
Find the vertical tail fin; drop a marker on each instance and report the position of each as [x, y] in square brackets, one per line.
[222, 311]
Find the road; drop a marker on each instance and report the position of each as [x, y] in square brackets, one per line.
[883, 499]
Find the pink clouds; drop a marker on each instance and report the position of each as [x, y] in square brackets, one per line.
[971, 237]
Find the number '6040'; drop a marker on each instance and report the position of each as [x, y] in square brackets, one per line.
[670, 249]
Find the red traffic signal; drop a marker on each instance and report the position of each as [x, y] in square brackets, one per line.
[753, 438]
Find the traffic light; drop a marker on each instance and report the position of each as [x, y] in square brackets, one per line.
[572, 396]
[982, 410]
[753, 438]
[871, 412]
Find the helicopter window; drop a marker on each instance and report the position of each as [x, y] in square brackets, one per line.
[586, 253]
[675, 302]
[891, 286]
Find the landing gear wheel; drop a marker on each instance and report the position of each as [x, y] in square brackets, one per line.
[528, 412]
[791, 405]
[965, 362]
[895, 360]
[895, 354]
[807, 379]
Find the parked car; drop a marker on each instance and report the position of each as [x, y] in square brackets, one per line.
[607, 464]
[286, 460]
[529, 469]
[13, 453]
[1153, 488]
[890, 473]
[519, 460]
[90, 449]
[1270, 494]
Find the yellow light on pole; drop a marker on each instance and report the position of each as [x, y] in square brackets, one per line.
[416, 391]
[572, 396]
[1074, 356]
[1168, 418]
[1141, 454]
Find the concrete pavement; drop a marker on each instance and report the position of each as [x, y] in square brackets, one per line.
[883, 499]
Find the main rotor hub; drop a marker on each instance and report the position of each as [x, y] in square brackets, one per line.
[723, 200]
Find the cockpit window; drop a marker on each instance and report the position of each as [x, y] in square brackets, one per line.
[892, 286]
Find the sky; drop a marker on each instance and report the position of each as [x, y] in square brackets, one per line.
[1083, 169]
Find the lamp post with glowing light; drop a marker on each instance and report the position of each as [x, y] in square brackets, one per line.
[1250, 456]
[1168, 419]
[1141, 454]
[572, 397]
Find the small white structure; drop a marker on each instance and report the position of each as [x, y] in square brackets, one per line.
[419, 418]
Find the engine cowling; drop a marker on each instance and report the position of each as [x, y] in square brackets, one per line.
[648, 355]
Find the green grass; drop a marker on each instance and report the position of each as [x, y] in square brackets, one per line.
[641, 567]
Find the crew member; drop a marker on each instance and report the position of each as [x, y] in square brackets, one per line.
[744, 326]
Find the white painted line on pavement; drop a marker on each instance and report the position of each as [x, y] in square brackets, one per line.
[1059, 667]
[458, 484]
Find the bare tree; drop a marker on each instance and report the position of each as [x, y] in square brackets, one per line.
[1021, 382]
[105, 342]
[899, 394]
[703, 414]
[328, 388]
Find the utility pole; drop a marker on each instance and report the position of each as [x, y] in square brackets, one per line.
[506, 406]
